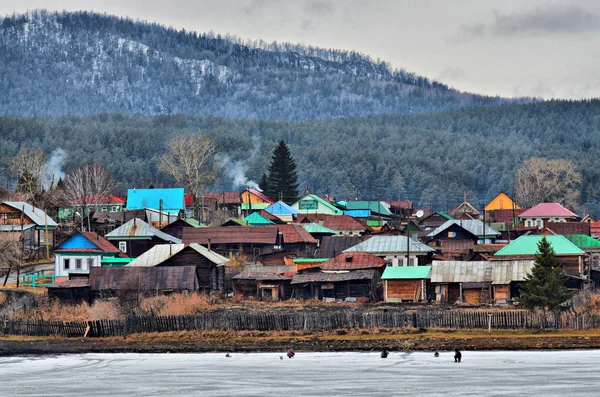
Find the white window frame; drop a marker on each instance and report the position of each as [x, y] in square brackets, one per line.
[123, 246]
[66, 263]
[78, 263]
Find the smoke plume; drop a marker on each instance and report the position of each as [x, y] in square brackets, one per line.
[53, 168]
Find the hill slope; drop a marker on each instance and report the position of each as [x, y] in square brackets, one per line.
[428, 158]
[87, 63]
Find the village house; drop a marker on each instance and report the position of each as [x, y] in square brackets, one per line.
[541, 214]
[135, 237]
[357, 285]
[22, 221]
[111, 204]
[80, 252]
[210, 266]
[343, 224]
[223, 201]
[434, 220]
[175, 229]
[455, 238]
[405, 283]
[313, 204]
[318, 231]
[266, 283]
[396, 249]
[478, 282]
[372, 213]
[171, 201]
[253, 200]
[332, 245]
[283, 211]
[465, 211]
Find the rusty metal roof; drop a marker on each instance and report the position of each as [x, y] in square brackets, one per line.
[231, 235]
[161, 252]
[138, 229]
[334, 245]
[353, 261]
[334, 222]
[497, 272]
[294, 233]
[325, 277]
[146, 278]
[261, 276]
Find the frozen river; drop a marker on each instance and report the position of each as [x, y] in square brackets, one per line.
[539, 373]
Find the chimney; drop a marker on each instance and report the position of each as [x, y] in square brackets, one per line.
[209, 244]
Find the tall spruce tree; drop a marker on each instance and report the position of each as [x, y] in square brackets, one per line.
[283, 179]
[545, 287]
[264, 183]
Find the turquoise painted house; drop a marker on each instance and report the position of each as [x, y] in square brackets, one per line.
[170, 200]
[82, 251]
[312, 204]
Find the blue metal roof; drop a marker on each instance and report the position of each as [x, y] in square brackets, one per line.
[173, 199]
[281, 208]
[358, 213]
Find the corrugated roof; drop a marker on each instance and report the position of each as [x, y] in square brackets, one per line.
[317, 228]
[565, 228]
[583, 241]
[353, 261]
[15, 228]
[257, 219]
[496, 272]
[378, 207]
[294, 233]
[528, 245]
[97, 243]
[389, 245]
[224, 198]
[147, 278]
[473, 226]
[173, 199]
[406, 272]
[161, 252]
[231, 235]
[333, 245]
[333, 277]
[138, 229]
[259, 194]
[35, 214]
[358, 213]
[548, 210]
[281, 208]
[338, 223]
[261, 276]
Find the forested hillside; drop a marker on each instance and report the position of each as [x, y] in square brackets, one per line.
[429, 158]
[86, 63]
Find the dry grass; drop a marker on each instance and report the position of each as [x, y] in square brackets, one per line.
[3, 298]
[589, 304]
[177, 304]
[53, 310]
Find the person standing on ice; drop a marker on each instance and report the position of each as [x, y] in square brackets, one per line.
[291, 353]
[384, 353]
[457, 356]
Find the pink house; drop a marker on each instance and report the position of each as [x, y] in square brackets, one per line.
[543, 213]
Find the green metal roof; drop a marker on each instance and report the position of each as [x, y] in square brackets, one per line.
[374, 206]
[528, 245]
[257, 219]
[116, 261]
[583, 241]
[256, 206]
[194, 223]
[332, 208]
[310, 260]
[406, 272]
[444, 215]
[318, 228]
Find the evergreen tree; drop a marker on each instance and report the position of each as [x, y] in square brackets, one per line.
[283, 179]
[545, 287]
[264, 183]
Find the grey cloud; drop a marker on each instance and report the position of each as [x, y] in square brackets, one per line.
[537, 21]
[315, 10]
[453, 73]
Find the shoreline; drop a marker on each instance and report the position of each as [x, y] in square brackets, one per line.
[249, 342]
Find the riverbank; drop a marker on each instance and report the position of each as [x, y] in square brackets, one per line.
[354, 340]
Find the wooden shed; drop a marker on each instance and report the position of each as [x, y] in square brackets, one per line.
[405, 283]
[340, 285]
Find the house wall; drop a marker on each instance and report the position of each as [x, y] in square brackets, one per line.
[473, 295]
[501, 202]
[541, 222]
[402, 290]
[251, 198]
[501, 292]
[209, 277]
[59, 263]
[12, 216]
[400, 259]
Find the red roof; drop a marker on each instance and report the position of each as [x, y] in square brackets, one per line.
[189, 200]
[334, 222]
[106, 199]
[259, 195]
[224, 198]
[294, 233]
[403, 204]
[353, 261]
[548, 210]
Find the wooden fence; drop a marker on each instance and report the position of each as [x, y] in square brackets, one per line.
[302, 320]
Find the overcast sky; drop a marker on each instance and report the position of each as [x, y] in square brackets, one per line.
[508, 48]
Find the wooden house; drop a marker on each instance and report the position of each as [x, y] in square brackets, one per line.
[465, 209]
[318, 231]
[256, 219]
[343, 224]
[399, 250]
[175, 229]
[22, 221]
[434, 220]
[210, 266]
[224, 201]
[541, 214]
[80, 252]
[253, 200]
[313, 204]
[333, 245]
[567, 254]
[455, 238]
[405, 283]
[348, 285]
[479, 282]
[237, 240]
[136, 237]
[502, 201]
[267, 283]
[110, 204]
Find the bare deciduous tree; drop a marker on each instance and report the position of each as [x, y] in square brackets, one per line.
[28, 166]
[86, 186]
[10, 254]
[189, 161]
[540, 180]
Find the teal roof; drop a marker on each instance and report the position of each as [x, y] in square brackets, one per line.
[406, 272]
[318, 228]
[194, 223]
[583, 241]
[173, 199]
[257, 219]
[528, 245]
[444, 215]
[374, 206]
[281, 208]
[116, 261]
[255, 206]
[310, 260]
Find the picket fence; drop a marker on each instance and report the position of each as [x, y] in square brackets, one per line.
[301, 320]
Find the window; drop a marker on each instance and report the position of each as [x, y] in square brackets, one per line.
[114, 208]
[123, 246]
[9, 215]
[308, 205]
[538, 223]
[90, 263]
[78, 264]
[66, 263]
[103, 209]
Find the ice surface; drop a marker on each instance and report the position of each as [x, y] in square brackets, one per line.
[539, 373]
